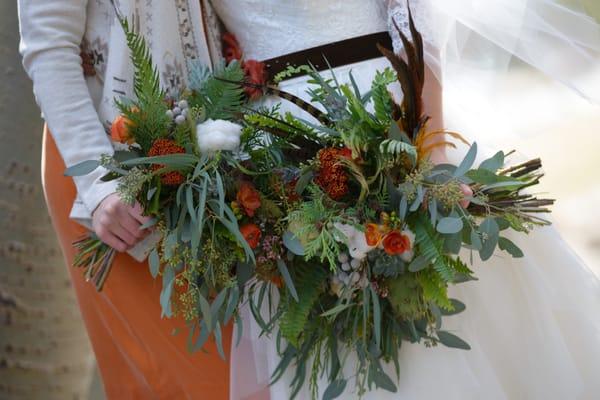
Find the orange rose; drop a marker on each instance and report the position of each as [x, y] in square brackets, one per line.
[248, 198]
[119, 130]
[373, 234]
[252, 233]
[396, 243]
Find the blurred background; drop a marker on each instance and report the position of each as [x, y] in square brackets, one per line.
[44, 351]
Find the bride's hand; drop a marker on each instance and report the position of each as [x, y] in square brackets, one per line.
[440, 157]
[118, 224]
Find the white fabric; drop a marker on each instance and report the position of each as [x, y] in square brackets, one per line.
[532, 323]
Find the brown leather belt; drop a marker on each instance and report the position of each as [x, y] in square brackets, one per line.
[337, 54]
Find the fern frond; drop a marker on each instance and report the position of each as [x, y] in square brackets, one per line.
[382, 99]
[435, 289]
[220, 94]
[393, 149]
[431, 246]
[308, 281]
[146, 84]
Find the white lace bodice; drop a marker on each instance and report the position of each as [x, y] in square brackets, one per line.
[270, 28]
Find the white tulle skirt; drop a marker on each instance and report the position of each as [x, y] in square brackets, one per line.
[533, 324]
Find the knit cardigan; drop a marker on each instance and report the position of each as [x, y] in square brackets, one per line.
[78, 109]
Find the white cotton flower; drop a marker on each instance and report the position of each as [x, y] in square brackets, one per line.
[215, 135]
[347, 232]
[408, 255]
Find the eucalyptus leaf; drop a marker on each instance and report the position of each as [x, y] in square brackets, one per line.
[489, 227]
[383, 381]
[335, 389]
[493, 163]
[283, 270]
[83, 168]
[453, 341]
[205, 310]
[457, 308]
[154, 262]
[467, 162]
[508, 246]
[293, 244]
[449, 225]
[167, 289]
[419, 263]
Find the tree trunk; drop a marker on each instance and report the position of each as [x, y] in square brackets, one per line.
[44, 349]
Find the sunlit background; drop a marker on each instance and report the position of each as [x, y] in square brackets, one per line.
[45, 348]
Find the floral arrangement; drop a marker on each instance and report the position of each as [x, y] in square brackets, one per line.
[342, 229]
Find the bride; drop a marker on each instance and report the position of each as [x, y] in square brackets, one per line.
[532, 322]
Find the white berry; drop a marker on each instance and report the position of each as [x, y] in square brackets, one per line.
[343, 257]
[183, 104]
[176, 110]
[180, 119]
[170, 114]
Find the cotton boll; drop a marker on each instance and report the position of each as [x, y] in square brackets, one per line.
[218, 135]
[407, 256]
[348, 231]
[357, 254]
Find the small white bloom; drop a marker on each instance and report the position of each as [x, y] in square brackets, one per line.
[408, 255]
[343, 258]
[218, 135]
[355, 263]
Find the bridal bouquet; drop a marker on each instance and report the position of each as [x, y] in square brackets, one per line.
[342, 230]
[373, 237]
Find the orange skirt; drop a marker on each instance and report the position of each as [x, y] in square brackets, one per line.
[138, 355]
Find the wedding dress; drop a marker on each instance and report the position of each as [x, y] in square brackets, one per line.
[533, 323]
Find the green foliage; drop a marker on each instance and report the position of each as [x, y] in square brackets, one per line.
[308, 281]
[431, 246]
[406, 297]
[147, 113]
[382, 100]
[218, 95]
[313, 222]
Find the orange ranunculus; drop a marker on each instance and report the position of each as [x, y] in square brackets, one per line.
[119, 130]
[251, 233]
[395, 243]
[373, 234]
[248, 198]
[256, 73]
[277, 281]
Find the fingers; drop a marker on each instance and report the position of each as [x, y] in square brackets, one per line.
[467, 192]
[131, 225]
[110, 239]
[124, 235]
[136, 212]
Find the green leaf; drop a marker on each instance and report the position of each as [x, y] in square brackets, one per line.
[453, 341]
[83, 168]
[292, 243]
[490, 228]
[309, 279]
[467, 162]
[335, 389]
[337, 309]
[508, 246]
[383, 381]
[493, 163]
[457, 308]
[419, 263]
[167, 289]
[154, 262]
[376, 316]
[449, 225]
[205, 311]
[289, 283]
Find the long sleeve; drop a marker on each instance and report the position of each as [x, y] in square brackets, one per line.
[51, 33]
